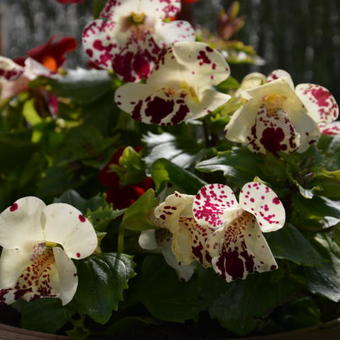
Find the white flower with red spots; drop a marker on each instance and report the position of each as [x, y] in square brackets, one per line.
[276, 117]
[216, 230]
[38, 243]
[180, 87]
[14, 78]
[130, 34]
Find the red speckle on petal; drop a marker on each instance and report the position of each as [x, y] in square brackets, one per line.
[78, 254]
[14, 207]
[82, 218]
[276, 200]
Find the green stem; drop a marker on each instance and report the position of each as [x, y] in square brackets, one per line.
[121, 234]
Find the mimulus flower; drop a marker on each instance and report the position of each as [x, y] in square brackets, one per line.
[221, 232]
[276, 117]
[14, 78]
[52, 53]
[159, 241]
[38, 243]
[131, 34]
[180, 87]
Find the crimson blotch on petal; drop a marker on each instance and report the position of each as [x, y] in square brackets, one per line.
[130, 35]
[180, 87]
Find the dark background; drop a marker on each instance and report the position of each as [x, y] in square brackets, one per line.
[300, 36]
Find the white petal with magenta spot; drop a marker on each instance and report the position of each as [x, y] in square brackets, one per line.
[21, 223]
[66, 226]
[263, 203]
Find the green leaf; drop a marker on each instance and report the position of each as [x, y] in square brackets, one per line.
[319, 208]
[240, 165]
[290, 244]
[245, 301]
[299, 314]
[83, 86]
[43, 315]
[102, 280]
[164, 171]
[137, 215]
[164, 295]
[131, 168]
[325, 279]
[182, 151]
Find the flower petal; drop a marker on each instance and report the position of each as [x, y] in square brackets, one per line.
[199, 237]
[183, 271]
[168, 213]
[33, 69]
[215, 205]
[175, 31]
[37, 276]
[12, 264]
[320, 103]
[281, 74]
[67, 276]
[182, 241]
[158, 8]
[252, 80]
[117, 9]
[66, 226]
[202, 65]
[147, 240]
[209, 102]
[273, 132]
[330, 129]
[99, 42]
[9, 70]
[21, 223]
[152, 106]
[239, 249]
[263, 203]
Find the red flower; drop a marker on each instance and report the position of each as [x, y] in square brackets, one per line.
[121, 196]
[52, 53]
[69, 1]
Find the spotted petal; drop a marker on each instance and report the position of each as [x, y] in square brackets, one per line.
[168, 213]
[215, 205]
[281, 74]
[99, 42]
[273, 132]
[198, 242]
[320, 103]
[332, 129]
[202, 65]
[9, 70]
[174, 32]
[152, 106]
[240, 249]
[66, 226]
[157, 8]
[289, 123]
[263, 203]
[20, 224]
